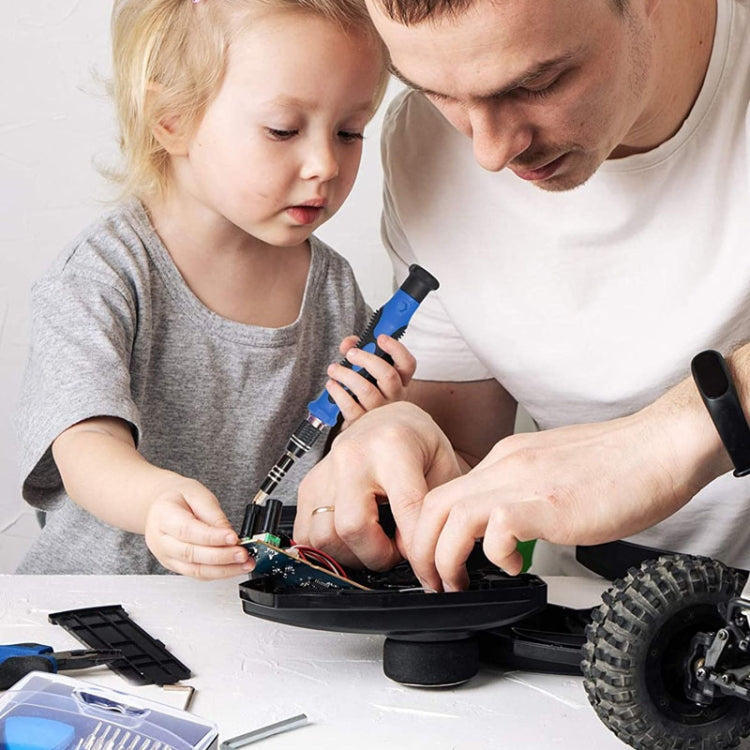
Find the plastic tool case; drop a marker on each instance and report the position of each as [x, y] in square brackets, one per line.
[53, 712]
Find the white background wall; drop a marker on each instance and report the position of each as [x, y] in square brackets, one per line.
[54, 122]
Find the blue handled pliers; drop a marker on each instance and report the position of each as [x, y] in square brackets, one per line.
[18, 659]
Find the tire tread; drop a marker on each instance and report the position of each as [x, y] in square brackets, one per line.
[621, 629]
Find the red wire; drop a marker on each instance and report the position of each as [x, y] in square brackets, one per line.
[320, 557]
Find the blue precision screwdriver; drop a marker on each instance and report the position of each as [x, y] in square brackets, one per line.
[263, 513]
[18, 659]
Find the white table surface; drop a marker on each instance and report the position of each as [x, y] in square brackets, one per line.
[248, 672]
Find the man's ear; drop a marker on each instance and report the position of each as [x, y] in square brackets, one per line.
[170, 133]
[651, 6]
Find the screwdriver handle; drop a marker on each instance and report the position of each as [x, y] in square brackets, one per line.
[392, 319]
[13, 668]
[18, 659]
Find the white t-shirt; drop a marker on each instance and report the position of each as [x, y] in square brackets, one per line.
[588, 304]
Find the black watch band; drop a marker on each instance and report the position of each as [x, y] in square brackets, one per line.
[715, 384]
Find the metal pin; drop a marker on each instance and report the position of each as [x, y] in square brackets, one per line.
[123, 741]
[263, 732]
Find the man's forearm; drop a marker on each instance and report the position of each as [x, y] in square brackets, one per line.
[739, 366]
[698, 455]
[474, 415]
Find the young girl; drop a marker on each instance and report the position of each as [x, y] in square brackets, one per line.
[177, 341]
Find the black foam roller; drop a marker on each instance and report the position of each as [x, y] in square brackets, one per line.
[431, 663]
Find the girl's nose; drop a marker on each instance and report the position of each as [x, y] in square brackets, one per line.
[321, 162]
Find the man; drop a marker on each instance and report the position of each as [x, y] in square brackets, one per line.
[603, 244]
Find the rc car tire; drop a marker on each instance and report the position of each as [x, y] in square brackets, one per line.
[637, 646]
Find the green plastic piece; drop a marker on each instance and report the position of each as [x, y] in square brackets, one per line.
[526, 549]
[269, 539]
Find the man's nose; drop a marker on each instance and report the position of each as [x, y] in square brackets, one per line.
[321, 161]
[498, 136]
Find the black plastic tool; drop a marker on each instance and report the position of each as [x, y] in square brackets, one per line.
[145, 660]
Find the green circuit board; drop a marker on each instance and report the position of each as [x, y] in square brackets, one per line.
[285, 567]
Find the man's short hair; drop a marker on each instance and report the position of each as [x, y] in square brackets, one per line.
[409, 12]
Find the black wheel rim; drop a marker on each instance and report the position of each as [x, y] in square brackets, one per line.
[666, 667]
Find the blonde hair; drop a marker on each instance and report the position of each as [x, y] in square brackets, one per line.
[169, 61]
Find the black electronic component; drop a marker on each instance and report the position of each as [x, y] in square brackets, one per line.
[271, 516]
[394, 602]
[432, 637]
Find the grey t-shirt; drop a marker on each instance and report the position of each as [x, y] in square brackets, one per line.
[117, 332]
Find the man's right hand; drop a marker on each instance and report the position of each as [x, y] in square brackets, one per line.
[395, 452]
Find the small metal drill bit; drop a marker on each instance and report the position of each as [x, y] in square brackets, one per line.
[99, 744]
[91, 739]
[110, 744]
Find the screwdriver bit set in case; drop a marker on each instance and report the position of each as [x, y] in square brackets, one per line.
[52, 712]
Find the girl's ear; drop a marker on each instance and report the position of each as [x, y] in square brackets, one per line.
[170, 133]
[169, 130]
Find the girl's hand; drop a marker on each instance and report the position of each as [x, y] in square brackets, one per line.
[188, 533]
[391, 379]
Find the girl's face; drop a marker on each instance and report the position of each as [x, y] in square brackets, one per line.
[277, 150]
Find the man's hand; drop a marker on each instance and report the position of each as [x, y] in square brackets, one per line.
[395, 452]
[188, 533]
[583, 484]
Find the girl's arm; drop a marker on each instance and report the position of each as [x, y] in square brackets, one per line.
[182, 520]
